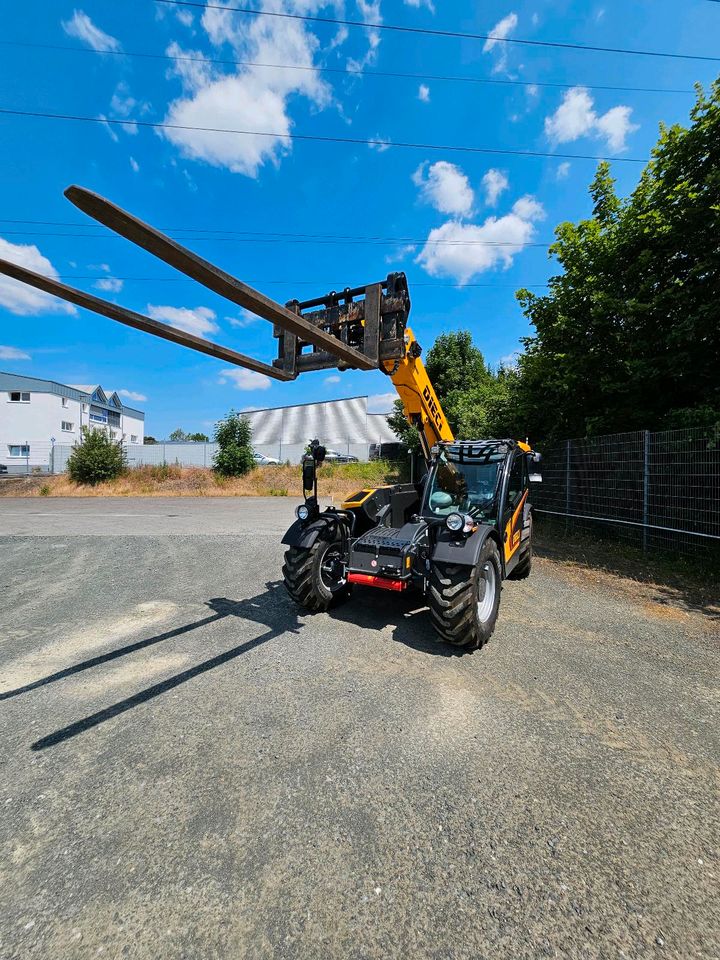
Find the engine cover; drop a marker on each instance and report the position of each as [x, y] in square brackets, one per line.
[389, 552]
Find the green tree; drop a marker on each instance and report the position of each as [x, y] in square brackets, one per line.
[150, 441]
[178, 435]
[197, 437]
[233, 435]
[628, 336]
[96, 458]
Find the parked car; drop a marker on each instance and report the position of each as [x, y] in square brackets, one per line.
[3, 468]
[334, 456]
[388, 451]
[262, 461]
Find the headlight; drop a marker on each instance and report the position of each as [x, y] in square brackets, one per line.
[455, 522]
[302, 512]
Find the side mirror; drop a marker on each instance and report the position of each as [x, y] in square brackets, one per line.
[319, 454]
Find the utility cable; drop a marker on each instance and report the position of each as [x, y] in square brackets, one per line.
[398, 28]
[348, 71]
[354, 141]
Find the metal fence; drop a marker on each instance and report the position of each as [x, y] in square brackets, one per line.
[52, 458]
[658, 490]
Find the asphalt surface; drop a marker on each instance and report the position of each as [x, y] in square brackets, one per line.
[192, 768]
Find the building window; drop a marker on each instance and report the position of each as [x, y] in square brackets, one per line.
[17, 397]
[67, 426]
[98, 415]
[64, 401]
[19, 449]
[133, 438]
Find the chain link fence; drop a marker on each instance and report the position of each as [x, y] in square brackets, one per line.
[660, 491]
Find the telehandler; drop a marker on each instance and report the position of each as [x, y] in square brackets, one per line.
[454, 537]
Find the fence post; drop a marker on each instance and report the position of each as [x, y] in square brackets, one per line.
[567, 485]
[646, 487]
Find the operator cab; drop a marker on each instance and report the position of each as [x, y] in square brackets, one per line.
[465, 478]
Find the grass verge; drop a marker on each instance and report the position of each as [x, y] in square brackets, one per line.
[334, 480]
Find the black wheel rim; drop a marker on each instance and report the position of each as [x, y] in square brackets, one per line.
[331, 569]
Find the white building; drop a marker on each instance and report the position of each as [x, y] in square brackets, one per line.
[36, 415]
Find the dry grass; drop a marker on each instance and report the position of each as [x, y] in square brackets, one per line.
[335, 480]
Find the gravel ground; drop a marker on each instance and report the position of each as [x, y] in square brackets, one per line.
[193, 769]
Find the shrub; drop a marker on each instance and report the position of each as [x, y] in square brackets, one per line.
[44, 490]
[96, 458]
[233, 435]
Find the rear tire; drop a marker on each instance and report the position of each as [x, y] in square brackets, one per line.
[313, 577]
[464, 601]
[524, 566]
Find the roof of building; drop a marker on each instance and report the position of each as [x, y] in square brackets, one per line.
[74, 391]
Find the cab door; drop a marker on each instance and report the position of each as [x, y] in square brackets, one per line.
[515, 496]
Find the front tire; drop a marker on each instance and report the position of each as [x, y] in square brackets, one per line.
[314, 577]
[464, 601]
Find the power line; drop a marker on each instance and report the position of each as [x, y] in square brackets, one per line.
[294, 238]
[325, 284]
[348, 71]
[354, 141]
[398, 28]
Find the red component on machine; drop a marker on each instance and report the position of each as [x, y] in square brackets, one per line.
[368, 580]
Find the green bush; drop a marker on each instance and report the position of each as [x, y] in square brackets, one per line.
[233, 436]
[44, 490]
[96, 458]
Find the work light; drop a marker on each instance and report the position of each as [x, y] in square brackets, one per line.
[302, 512]
[455, 522]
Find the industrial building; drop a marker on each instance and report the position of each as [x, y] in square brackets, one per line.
[342, 425]
[36, 415]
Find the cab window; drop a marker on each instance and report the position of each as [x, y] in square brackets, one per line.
[516, 483]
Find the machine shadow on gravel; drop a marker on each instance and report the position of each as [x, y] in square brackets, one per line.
[408, 614]
[269, 608]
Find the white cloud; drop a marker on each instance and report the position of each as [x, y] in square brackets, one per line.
[332, 379]
[494, 182]
[369, 10]
[381, 402]
[82, 27]
[135, 165]
[110, 130]
[615, 126]
[532, 90]
[576, 117]
[132, 395]
[502, 29]
[245, 319]
[185, 17]
[445, 186]
[463, 250]
[18, 297]
[110, 284]
[401, 253]
[244, 379]
[424, 93]
[510, 360]
[563, 170]
[249, 98]
[12, 353]
[199, 321]
[380, 144]
[421, 3]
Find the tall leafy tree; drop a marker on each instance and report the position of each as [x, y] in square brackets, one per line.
[628, 336]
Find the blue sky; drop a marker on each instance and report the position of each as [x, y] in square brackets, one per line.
[245, 190]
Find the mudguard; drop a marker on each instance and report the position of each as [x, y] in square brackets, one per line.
[465, 552]
[304, 535]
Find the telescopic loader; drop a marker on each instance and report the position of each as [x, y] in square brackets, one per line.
[454, 537]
